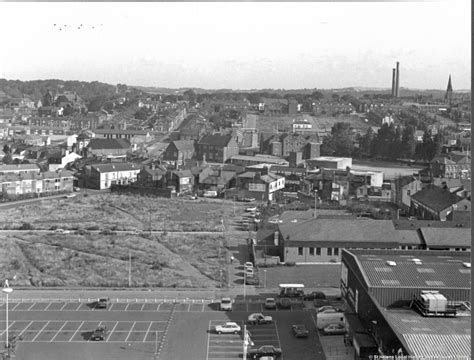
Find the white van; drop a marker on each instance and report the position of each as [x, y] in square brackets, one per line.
[210, 193]
[324, 319]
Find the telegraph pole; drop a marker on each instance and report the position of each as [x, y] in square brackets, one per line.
[129, 268]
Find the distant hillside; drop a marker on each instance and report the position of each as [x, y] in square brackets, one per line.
[35, 89]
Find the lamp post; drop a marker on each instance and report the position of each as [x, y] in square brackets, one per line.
[264, 278]
[7, 290]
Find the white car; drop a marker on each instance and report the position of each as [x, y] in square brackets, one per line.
[248, 264]
[251, 209]
[226, 304]
[228, 328]
[249, 272]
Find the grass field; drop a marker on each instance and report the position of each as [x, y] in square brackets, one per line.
[168, 259]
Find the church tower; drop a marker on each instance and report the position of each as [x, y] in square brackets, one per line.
[449, 92]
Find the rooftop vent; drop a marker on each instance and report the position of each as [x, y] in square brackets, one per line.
[391, 263]
[466, 264]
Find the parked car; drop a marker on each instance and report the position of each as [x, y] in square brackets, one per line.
[248, 199]
[228, 328]
[76, 188]
[265, 350]
[334, 329]
[69, 196]
[328, 309]
[210, 194]
[248, 264]
[190, 197]
[270, 303]
[251, 209]
[259, 318]
[99, 333]
[300, 331]
[102, 303]
[315, 295]
[226, 304]
[285, 303]
[251, 280]
[249, 272]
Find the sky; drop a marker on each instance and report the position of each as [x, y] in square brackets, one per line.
[245, 45]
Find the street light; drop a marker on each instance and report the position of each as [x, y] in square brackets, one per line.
[264, 278]
[7, 290]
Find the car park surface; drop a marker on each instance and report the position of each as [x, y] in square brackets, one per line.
[179, 330]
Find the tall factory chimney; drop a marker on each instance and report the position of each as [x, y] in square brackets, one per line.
[394, 75]
[397, 81]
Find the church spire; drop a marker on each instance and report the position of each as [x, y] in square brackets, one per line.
[449, 91]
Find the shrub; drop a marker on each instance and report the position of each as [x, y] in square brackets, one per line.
[26, 226]
[92, 228]
[290, 263]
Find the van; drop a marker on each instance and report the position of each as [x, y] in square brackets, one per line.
[325, 318]
[210, 193]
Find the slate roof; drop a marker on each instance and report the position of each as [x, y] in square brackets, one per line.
[435, 198]
[435, 272]
[451, 183]
[184, 145]
[121, 132]
[453, 237]
[109, 144]
[113, 167]
[339, 230]
[18, 167]
[183, 173]
[215, 140]
[409, 237]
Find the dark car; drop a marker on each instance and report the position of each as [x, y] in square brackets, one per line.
[270, 303]
[266, 350]
[285, 303]
[315, 295]
[251, 280]
[102, 303]
[300, 331]
[99, 334]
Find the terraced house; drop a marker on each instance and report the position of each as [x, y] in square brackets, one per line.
[102, 176]
[36, 183]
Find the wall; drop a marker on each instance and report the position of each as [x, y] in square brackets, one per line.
[291, 255]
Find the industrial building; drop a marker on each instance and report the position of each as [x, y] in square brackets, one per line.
[412, 303]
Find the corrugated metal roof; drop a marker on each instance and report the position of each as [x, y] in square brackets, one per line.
[424, 346]
[453, 237]
[433, 272]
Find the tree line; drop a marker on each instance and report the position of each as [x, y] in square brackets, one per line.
[389, 143]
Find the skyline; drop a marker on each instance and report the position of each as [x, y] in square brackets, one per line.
[240, 46]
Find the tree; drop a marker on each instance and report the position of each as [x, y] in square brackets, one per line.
[339, 143]
[317, 95]
[408, 145]
[366, 143]
[7, 159]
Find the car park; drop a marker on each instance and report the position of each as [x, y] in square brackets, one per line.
[228, 328]
[99, 333]
[226, 304]
[270, 303]
[334, 329]
[259, 318]
[300, 331]
[284, 303]
[102, 303]
[265, 350]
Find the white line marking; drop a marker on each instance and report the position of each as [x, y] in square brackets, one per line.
[126, 307]
[157, 309]
[62, 327]
[46, 308]
[130, 331]
[147, 331]
[39, 332]
[208, 338]
[63, 307]
[75, 332]
[31, 307]
[203, 307]
[15, 307]
[22, 331]
[110, 333]
[142, 307]
[77, 309]
[278, 338]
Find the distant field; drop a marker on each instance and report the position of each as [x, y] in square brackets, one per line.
[159, 260]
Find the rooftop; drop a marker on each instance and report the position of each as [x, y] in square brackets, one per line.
[436, 198]
[112, 167]
[453, 237]
[109, 144]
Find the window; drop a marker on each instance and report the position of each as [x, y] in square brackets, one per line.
[311, 251]
[318, 251]
[300, 251]
[336, 251]
[408, 192]
[329, 252]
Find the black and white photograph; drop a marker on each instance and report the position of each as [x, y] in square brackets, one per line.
[235, 180]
